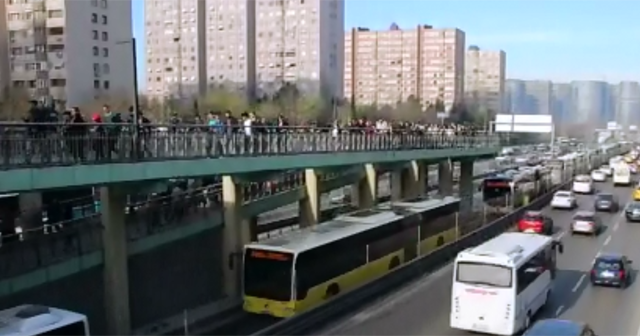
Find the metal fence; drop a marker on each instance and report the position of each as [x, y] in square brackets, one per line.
[24, 145]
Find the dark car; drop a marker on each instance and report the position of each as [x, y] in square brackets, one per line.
[611, 269]
[558, 327]
[632, 212]
[606, 202]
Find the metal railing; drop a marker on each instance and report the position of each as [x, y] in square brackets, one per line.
[33, 145]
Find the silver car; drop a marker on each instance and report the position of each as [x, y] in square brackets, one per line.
[586, 222]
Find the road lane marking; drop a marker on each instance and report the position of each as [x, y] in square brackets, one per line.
[578, 284]
[615, 227]
[559, 311]
[607, 241]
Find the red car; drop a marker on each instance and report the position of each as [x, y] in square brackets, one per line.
[535, 222]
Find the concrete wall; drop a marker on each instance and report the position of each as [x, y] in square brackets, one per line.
[174, 277]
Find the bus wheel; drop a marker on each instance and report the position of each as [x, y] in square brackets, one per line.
[395, 262]
[332, 291]
[527, 322]
[440, 241]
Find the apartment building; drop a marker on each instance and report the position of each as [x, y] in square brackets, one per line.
[390, 66]
[484, 84]
[175, 53]
[300, 41]
[254, 46]
[67, 50]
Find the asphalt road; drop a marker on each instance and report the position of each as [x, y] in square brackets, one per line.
[422, 308]
[384, 189]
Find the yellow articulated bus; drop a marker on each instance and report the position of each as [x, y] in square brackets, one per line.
[299, 270]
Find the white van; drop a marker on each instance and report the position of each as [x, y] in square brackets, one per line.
[621, 175]
[583, 184]
[499, 286]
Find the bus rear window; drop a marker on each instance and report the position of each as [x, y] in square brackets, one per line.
[484, 274]
[267, 274]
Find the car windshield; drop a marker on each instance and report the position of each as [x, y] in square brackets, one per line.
[605, 167]
[607, 265]
[597, 172]
[583, 179]
[605, 197]
[634, 206]
[587, 218]
[532, 218]
[563, 194]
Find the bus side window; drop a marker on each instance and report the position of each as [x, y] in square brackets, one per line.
[437, 222]
[530, 271]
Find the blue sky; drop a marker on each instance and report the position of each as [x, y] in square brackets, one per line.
[544, 39]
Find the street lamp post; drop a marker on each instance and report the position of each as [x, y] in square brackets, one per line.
[136, 98]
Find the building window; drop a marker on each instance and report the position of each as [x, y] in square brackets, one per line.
[106, 85]
[105, 36]
[103, 4]
[56, 14]
[104, 20]
[96, 51]
[105, 52]
[94, 3]
[95, 34]
[96, 70]
[96, 84]
[94, 18]
[105, 69]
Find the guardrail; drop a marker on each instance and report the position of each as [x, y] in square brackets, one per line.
[318, 317]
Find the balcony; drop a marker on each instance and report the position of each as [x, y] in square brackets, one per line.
[55, 4]
[56, 39]
[19, 25]
[23, 75]
[55, 22]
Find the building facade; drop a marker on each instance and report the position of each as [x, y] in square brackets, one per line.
[255, 47]
[175, 55]
[590, 101]
[391, 66]
[484, 83]
[562, 103]
[515, 96]
[628, 103]
[70, 51]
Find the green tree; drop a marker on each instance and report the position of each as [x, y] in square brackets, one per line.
[222, 99]
[14, 103]
[410, 110]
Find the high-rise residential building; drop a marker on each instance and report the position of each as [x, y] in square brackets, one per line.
[484, 83]
[301, 42]
[391, 66]
[590, 101]
[515, 96]
[628, 103]
[174, 49]
[66, 50]
[539, 98]
[562, 104]
[255, 46]
[230, 45]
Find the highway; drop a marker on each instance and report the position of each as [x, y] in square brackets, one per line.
[384, 189]
[422, 308]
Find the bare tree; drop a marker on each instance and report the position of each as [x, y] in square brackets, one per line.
[14, 104]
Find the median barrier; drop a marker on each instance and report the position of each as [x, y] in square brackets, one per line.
[317, 318]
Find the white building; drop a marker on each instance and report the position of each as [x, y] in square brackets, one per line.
[73, 51]
[485, 76]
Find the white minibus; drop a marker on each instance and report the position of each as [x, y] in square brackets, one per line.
[36, 320]
[621, 174]
[582, 184]
[500, 285]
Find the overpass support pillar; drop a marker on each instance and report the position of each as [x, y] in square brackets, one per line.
[310, 206]
[236, 233]
[116, 269]
[409, 182]
[365, 193]
[415, 180]
[445, 178]
[466, 185]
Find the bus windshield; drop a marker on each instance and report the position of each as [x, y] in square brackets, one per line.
[267, 274]
[473, 273]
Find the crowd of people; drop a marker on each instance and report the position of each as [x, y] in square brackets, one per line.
[71, 136]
